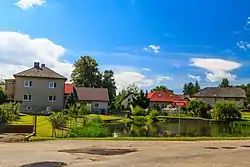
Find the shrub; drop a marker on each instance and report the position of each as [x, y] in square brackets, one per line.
[91, 129]
[139, 120]
[226, 110]
[248, 106]
[153, 115]
[198, 108]
[138, 111]
[9, 112]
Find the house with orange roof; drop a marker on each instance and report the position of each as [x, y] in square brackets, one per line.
[162, 99]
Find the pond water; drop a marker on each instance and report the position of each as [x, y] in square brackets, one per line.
[185, 129]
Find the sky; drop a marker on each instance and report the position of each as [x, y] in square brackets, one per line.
[145, 42]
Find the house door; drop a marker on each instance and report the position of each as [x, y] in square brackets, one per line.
[103, 112]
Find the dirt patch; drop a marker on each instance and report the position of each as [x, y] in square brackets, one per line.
[229, 148]
[100, 151]
[212, 148]
[45, 164]
[13, 138]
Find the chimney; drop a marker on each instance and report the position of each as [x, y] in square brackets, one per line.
[42, 65]
[36, 65]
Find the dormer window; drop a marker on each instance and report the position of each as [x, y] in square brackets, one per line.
[159, 94]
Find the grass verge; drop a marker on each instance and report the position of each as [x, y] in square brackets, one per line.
[37, 138]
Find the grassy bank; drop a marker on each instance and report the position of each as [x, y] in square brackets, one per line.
[146, 138]
[44, 128]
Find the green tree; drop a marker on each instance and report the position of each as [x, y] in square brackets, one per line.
[190, 88]
[226, 110]
[3, 95]
[141, 100]
[86, 73]
[197, 87]
[198, 108]
[161, 88]
[71, 100]
[224, 83]
[108, 82]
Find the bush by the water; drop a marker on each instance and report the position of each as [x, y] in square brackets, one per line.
[140, 120]
[226, 110]
[138, 111]
[153, 115]
[198, 108]
[93, 128]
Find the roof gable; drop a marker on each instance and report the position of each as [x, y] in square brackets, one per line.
[43, 72]
[92, 94]
[221, 92]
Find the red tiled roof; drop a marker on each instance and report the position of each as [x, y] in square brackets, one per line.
[92, 94]
[163, 96]
[68, 88]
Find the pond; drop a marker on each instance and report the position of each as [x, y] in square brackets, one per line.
[184, 129]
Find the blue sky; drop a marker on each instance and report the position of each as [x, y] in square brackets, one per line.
[147, 42]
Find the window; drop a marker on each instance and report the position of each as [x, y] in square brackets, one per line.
[52, 98]
[237, 99]
[52, 85]
[27, 97]
[27, 83]
[28, 108]
[129, 100]
[96, 105]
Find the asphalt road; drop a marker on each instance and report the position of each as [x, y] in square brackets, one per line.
[148, 154]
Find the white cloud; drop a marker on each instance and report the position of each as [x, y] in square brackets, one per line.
[146, 69]
[153, 48]
[217, 68]
[126, 75]
[243, 45]
[198, 78]
[26, 4]
[161, 79]
[19, 51]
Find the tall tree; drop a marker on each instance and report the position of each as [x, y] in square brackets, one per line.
[141, 100]
[224, 83]
[161, 88]
[108, 81]
[190, 88]
[197, 87]
[86, 73]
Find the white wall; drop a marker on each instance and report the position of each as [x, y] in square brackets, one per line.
[126, 100]
[98, 106]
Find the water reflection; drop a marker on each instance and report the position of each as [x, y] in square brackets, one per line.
[186, 129]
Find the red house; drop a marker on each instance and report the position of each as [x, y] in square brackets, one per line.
[163, 98]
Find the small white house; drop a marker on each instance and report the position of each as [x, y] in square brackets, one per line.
[127, 100]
